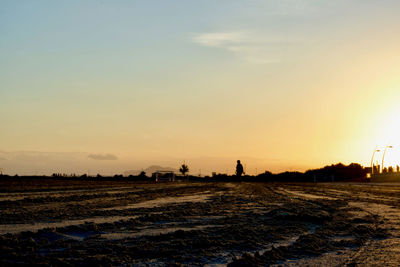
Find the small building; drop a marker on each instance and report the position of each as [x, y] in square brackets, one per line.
[164, 176]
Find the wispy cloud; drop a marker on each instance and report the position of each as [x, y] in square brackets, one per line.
[249, 46]
[103, 157]
[219, 39]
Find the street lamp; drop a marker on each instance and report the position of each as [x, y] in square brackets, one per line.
[372, 160]
[383, 157]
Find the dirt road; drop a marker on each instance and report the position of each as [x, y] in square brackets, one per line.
[214, 224]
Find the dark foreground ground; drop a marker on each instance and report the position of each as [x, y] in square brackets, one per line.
[46, 222]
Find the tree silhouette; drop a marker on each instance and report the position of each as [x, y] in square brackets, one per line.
[184, 169]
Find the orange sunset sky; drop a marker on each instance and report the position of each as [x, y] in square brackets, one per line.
[109, 86]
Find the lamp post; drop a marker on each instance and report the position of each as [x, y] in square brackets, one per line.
[384, 152]
[372, 160]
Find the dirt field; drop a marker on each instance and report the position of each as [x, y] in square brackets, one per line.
[213, 224]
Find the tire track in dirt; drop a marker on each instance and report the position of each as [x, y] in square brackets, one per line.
[335, 258]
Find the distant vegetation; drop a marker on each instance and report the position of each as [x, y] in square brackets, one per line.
[184, 169]
[333, 173]
[338, 172]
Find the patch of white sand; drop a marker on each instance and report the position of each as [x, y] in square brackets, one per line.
[307, 195]
[164, 201]
[154, 231]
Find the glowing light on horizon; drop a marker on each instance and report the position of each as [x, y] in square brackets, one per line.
[388, 135]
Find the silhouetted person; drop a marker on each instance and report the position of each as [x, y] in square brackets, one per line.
[239, 169]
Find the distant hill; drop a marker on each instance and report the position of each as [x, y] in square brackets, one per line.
[150, 170]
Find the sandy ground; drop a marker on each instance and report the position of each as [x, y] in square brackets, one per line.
[211, 224]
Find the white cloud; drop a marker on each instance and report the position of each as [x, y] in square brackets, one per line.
[219, 39]
[253, 47]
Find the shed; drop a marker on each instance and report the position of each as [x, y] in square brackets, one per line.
[164, 176]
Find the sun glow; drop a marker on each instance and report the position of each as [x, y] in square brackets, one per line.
[388, 139]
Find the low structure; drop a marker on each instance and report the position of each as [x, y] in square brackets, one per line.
[164, 176]
[386, 178]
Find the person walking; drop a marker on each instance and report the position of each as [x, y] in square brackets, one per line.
[239, 169]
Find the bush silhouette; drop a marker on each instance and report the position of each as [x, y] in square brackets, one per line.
[184, 169]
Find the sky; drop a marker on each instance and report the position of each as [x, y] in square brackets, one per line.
[109, 86]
